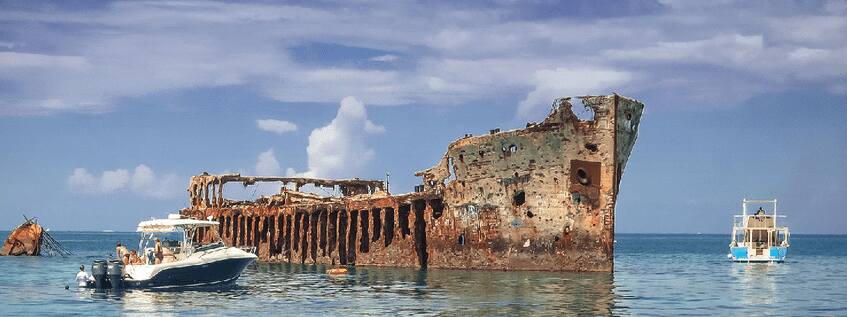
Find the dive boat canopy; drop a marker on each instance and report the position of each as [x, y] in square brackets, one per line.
[757, 237]
[172, 224]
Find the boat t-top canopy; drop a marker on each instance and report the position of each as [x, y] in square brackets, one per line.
[171, 225]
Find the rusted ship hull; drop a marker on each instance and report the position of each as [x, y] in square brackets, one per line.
[539, 198]
[25, 240]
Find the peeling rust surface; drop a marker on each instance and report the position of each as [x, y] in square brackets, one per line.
[539, 198]
[24, 240]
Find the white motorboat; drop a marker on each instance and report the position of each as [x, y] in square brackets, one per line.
[183, 263]
[757, 237]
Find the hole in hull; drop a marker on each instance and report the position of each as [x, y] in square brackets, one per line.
[351, 237]
[271, 230]
[280, 228]
[266, 224]
[377, 224]
[304, 239]
[322, 217]
[420, 233]
[296, 232]
[286, 245]
[313, 243]
[582, 176]
[331, 231]
[389, 225]
[235, 230]
[519, 198]
[256, 232]
[342, 237]
[403, 213]
[437, 208]
[364, 242]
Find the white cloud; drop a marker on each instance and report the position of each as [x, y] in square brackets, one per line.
[276, 126]
[114, 180]
[385, 58]
[562, 82]
[266, 163]
[371, 127]
[455, 54]
[435, 83]
[142, 181]
[340, 149]
[21, 60]
[290, 172]
[379, 87]
[721, 49]
[804, 55]
[81, 180]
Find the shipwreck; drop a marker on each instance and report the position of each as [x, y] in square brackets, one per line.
[538, 198]
[30, 239]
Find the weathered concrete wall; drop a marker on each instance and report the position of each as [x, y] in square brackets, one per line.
[540, 198]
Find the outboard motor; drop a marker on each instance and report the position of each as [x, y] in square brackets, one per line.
[115, 270]
[98, 270]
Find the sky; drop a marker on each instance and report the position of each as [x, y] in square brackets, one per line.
[107, 108]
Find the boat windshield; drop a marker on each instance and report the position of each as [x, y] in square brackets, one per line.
[178, 241]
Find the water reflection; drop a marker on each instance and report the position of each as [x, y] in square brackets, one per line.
[758, 283]
[450, 292]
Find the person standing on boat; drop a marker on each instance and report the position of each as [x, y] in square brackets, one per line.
[82, 278]
[150, 257]
[120, 250]
[158, 252]
[760, 211]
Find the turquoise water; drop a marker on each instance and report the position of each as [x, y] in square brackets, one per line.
[654, 275]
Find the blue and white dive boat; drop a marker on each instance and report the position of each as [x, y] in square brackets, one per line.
[182, 262]
[757, 237]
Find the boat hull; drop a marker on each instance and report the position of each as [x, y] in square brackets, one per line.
[774, 255]
[219, 272]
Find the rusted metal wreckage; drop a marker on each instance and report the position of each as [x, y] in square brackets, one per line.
[25, 239]
[30, 239]
[539, 198]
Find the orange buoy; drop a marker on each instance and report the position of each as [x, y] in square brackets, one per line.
[337, 271]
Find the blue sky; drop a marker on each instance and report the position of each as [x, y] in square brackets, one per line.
[106, 108]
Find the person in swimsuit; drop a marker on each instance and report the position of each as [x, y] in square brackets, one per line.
[158, 252]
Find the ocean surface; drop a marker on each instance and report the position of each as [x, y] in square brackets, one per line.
[654, 275]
